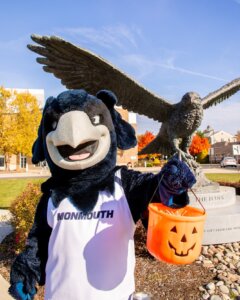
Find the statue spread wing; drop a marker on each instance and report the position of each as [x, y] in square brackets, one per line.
[78, 68]
[221, 94]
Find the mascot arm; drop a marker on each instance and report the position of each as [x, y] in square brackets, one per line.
[169, 186]
[139, 188]
[29, 266]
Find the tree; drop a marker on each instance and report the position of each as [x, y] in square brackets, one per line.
[6, 130]
[19, 120]
[199, 147]
[238, 135]
[200, 133]
[145, 139]
[27, 122]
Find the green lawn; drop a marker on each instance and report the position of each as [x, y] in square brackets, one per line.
[232, 177]
[11, 188]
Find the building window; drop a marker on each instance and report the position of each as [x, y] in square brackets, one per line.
[2, 161]
[23, 161]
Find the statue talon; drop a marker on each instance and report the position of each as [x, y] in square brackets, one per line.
[188, 159]
[202, 181]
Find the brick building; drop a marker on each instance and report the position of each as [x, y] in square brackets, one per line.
[222, 149]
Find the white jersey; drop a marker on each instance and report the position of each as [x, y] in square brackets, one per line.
[91, 257]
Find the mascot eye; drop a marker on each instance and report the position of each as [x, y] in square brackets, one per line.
[54, 125]
[96, 119]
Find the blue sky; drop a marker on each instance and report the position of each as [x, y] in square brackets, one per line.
[168, 46]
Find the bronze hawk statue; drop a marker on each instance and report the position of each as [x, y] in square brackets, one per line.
[79, 68]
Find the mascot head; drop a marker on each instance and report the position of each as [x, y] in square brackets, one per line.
[78, 137]
[80, 133]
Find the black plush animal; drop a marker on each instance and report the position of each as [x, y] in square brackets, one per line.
[81, 243]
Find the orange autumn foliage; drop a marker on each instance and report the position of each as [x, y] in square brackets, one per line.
[143, 141]
[198, 145]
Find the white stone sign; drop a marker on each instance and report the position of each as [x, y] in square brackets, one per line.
[222, 224]
[236, 149]
[225, 197]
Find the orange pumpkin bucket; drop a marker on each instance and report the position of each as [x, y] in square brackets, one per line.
[175, 235]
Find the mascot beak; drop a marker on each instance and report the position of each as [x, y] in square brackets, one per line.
[77, 143]
[74, 128]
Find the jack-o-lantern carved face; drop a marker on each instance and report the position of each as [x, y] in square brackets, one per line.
[182, 245]
[182, 241]
[175, 236]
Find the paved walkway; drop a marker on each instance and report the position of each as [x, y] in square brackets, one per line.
[45, 172]
[31, 173]
[206, 169]
[4, 285]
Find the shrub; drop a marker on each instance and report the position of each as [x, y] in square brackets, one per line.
[156, 162]
[149, 164]
[203, 157]
[23, 211]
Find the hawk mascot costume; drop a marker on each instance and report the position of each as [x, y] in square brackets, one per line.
[81, 245]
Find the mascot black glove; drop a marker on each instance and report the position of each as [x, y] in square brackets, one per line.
[176, 178]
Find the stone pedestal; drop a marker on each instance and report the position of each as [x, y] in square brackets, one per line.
[223, 215]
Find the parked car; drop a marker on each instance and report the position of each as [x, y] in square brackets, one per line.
[228, 162]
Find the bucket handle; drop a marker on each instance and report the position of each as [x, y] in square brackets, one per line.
[159, 181]
[199, 201]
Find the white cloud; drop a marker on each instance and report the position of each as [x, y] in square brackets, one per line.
[119, 36]
[142, 66]
[145, 66]
[127, 38]
[187, 71]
